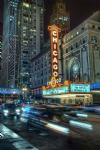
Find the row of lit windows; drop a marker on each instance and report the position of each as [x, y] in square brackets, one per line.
[45, 57]
[81, 29]
[80, 43]
[26, 5]
[63, 18]
[39, 67]
[41, 81]
[76, 45]
[93, 26]
[41, 74]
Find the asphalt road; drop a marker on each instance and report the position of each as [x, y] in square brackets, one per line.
[84, 134]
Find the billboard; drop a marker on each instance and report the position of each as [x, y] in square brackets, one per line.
[53, 91]
[79, 88]
[9, 91]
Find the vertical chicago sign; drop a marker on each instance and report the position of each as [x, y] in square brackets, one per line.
[54, 35]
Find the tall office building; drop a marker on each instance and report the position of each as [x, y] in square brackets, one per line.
[61, 16]
[9, 42]
[0, 52]
[22, 40]
[30, 38]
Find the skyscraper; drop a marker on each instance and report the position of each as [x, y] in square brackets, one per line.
[61, 16]
[30, 38]
[9, 42]
[23, 36]
[0, 52]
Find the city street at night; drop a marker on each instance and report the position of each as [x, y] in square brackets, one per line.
[49, 75]
[84, 138]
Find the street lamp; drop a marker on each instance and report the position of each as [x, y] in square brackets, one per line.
[24, 90]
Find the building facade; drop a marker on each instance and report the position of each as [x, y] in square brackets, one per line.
[81, 51]
[9, 42]
[41, 64]
[0, 53]
[30, 38]
[41, 70]
[23, 37]
[41, 67]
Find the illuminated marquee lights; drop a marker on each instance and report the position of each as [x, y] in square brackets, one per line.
[54, 33]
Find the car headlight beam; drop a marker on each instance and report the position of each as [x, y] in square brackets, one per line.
[18, 110]
[6, 111]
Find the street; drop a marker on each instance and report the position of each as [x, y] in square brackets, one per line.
[80, 137]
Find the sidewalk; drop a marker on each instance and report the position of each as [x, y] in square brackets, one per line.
[11, 141]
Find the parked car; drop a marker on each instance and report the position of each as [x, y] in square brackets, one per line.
[10, 109]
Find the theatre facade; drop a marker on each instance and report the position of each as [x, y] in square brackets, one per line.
[68, 93]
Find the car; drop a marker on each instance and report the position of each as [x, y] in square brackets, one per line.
[33, 114]
[97, 110]
[90, 108]
[10, 109]
[74, 107]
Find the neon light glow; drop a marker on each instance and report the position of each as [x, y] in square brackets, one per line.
[80, 87]
[54, 33]
[53, 91]
[58, 128]
[9, 91]
[81, 125]
[82, 115]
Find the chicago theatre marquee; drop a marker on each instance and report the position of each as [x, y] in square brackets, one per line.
[68, 91]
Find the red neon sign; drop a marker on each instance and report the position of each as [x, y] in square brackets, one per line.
[54, 34]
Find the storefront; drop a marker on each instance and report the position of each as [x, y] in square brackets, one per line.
[8, 94]
[69, 93]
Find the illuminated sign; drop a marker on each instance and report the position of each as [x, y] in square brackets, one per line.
[54, 81]
[94, 86]
[80, 88]
[9, 91]
[54, 33]
[53, 91]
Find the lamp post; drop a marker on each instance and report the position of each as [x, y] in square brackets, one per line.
[24, 90]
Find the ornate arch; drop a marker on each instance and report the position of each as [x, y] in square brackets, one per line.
[73, 69]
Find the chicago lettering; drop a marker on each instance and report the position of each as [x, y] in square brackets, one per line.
[55, 54]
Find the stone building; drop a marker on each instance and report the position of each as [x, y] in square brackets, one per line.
[81, 51]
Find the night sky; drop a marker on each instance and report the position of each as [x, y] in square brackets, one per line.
[79, 10]
[1, 15]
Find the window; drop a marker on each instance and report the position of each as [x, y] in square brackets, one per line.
[82, 28]
[94, 39]
[83, 40]
[98, 27]
[76, 44]
[41, 73]
[80, 42]
[93, 26]
[41, 81]
[25, 62]
[66, 50]
[71, 47]
[42, 65]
